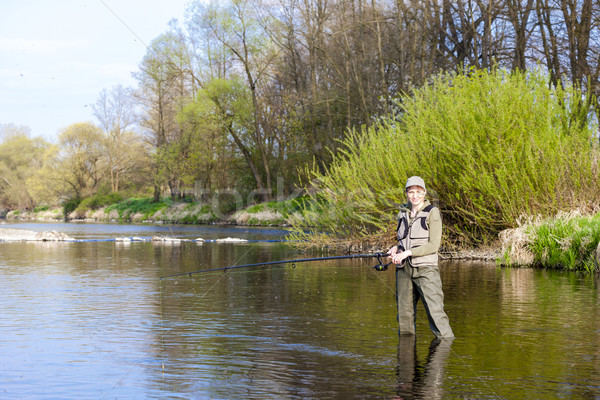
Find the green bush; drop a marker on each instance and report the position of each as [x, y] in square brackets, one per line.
[98, 201]
[284, 207]
[491, 146]
[144, 206]
[69, 206]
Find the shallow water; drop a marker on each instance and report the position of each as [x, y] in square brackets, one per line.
[93, 320]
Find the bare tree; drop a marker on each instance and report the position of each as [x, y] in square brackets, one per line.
[521, 15]
[569, 38]
[114, 111]
[160, 95]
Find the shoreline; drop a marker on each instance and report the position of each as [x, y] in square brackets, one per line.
[25, 235]
[182, 213]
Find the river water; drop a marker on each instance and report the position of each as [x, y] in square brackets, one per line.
[94, 320]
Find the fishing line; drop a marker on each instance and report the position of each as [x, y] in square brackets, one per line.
[119, 381]
[190, 308]
[124, 23]
[165, 331]
[211, 271]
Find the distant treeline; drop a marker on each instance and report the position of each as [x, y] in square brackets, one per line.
[242, 95]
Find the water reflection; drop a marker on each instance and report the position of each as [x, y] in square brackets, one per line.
[421, 379]
[93, 320]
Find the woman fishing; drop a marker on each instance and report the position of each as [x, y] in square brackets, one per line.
[417, 275]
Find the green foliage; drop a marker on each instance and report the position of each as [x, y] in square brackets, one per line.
[218, 120]
[97, 201]
[41, 208]
[69, 206]
[80, 164]
[144, 206]
[20, 160]
[566, 242]
[285, 207]
[491, 146]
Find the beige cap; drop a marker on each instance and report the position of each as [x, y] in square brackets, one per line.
[415, 181]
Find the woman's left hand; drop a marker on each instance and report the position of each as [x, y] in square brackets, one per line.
[399, 258]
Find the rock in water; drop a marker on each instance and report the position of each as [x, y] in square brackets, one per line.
[23, 235]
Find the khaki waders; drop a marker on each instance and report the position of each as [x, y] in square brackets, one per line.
[423, 282]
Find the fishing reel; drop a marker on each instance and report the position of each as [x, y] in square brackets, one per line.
[381, 266]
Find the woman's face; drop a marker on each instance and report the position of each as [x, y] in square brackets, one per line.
[416, 195]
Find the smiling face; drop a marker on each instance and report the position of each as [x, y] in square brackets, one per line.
[416, 196]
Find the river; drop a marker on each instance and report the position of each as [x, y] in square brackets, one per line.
[94, 320]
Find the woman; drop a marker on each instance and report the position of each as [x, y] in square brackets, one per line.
[417, 274]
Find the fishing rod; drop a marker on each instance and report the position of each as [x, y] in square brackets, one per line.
[379, 267]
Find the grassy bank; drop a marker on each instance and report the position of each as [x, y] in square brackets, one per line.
[569, 241]
[166, 211]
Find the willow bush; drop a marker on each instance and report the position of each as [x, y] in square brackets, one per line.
[492, 146]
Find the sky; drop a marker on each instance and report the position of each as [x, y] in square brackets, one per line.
[56, 56]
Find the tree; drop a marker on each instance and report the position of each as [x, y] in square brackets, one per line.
[20, 158]
[81, 160]
[210, 154]
[115, 113]
[520, 14]
[236, 27]
[228, 104]
[568, 35]
[46, 184]
[162, 95]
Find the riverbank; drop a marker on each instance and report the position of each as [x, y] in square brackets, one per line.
[143, 211]
[274, 213]
[570, 241]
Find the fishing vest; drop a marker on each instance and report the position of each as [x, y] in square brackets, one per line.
[414, 234]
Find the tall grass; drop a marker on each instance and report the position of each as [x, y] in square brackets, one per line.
[491, 146]
[568, 241]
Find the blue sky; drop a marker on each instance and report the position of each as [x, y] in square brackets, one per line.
[56, 56]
